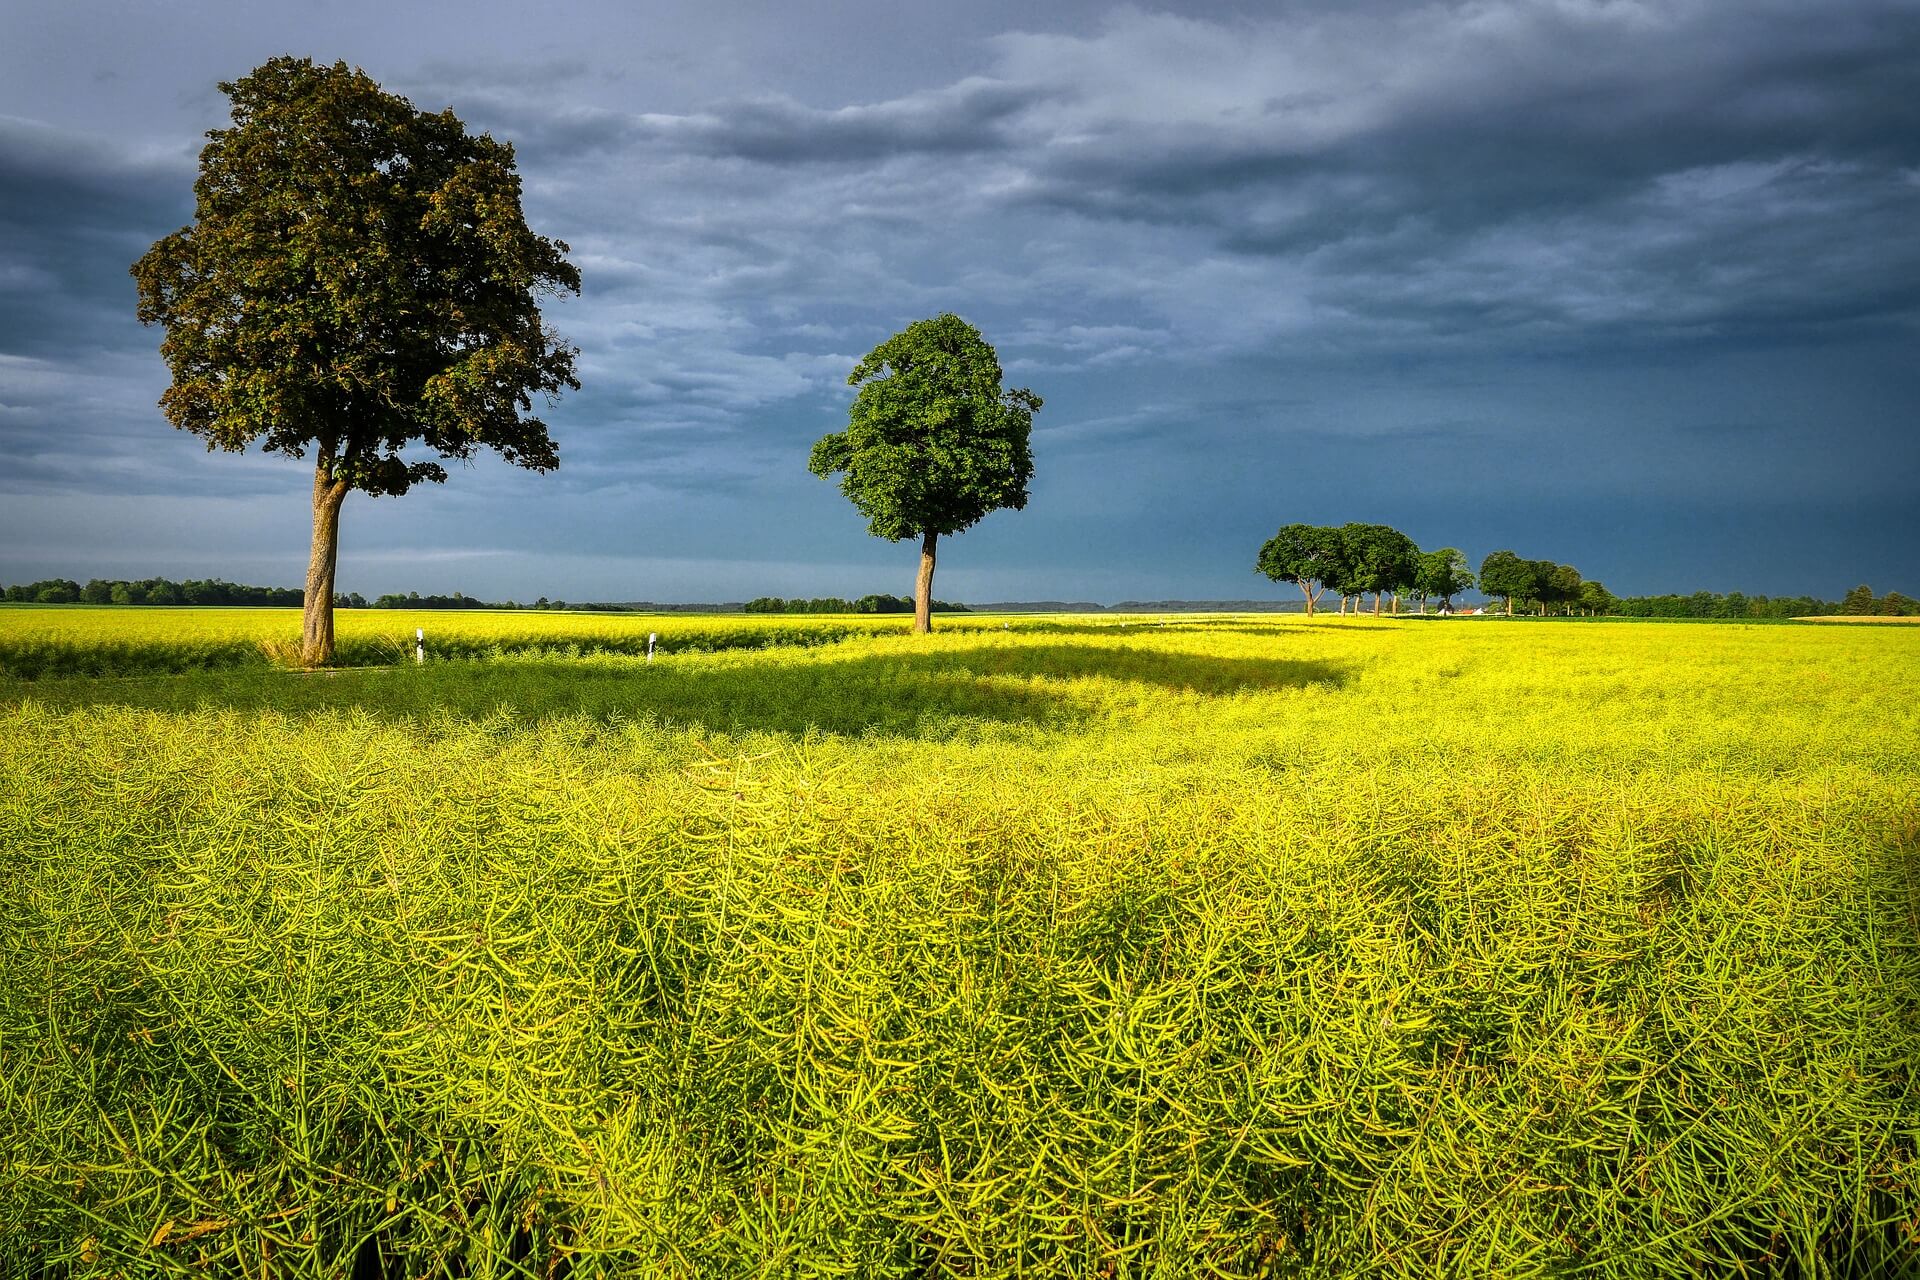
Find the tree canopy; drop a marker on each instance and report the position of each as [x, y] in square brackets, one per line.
[1442, 575]
[933, 443]
[359, 279]
[1309, 556]
[1381, 559]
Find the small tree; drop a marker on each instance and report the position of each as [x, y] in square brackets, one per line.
[1858, 602]
[1306, 555]
[1441, 576]
[933, 443]
[1595, 598]
[359, 278]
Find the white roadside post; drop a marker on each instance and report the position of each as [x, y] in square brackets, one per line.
[419, 645]
[653, 638]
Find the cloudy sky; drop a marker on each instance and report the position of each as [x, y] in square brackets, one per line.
[1630, 284]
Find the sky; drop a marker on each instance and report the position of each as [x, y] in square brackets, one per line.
[1628, 284]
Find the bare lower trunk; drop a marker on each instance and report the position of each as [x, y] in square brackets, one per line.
[1308, 593]
[923, 587]
[316, 623]
[1509, 606]
[1376, 604]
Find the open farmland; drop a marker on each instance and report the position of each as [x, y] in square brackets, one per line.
[1231, 946]
[147, 641]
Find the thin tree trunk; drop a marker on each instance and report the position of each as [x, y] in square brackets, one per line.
[1307, 591]
[1509, 606]
[316, 621]
[1376, 604]
[923, 587]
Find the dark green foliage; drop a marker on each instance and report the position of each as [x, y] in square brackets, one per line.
[165, 591]
[833, 604]
[1380, 558]
[414, 600]
[1308, 556]
[1442, 575]
[358, 278]
[933, 443]
[1707, 604]
[1595, 599]
[1505, 576]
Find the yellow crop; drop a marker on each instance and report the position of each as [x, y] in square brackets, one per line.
[1235, 946]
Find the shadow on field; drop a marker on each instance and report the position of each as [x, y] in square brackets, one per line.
[926, 695]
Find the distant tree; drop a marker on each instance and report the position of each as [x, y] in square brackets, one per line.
[1561, 586]
[1895, 605]
[1858, 603]
[1441, 575]
[1307, 555]
[1595, 598]
[1382, 559]
[933, 443]
[1507, 576]
[358, 278]
[97, 591]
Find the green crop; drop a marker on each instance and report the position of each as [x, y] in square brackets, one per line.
[1231, 947]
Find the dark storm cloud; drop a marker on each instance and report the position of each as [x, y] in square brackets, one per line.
[74, 214]
[1565, 171]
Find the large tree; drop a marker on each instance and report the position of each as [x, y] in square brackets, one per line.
[358, 279]
[1441, 575]
[933, 443]
[1507, 576]
[1309, 556]
[1562, 587]
[1382, 558]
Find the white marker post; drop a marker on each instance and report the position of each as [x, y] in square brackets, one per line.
[652, 638]
[419, 645]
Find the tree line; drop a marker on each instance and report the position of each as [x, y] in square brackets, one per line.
[1355, 560]
[833, 604]
[1542, 586]
[1861, 603]
[162, 591]
[1732, 605]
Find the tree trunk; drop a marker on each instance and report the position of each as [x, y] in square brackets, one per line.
[1509, 606]
[1376, 604]
[1307, 591]
[316, 622]
[923, 587]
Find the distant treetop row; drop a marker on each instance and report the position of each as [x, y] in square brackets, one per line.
[1354, 560]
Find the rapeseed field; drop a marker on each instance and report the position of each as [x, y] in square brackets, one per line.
[1240, 946]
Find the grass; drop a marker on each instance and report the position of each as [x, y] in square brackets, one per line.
[1229, 947]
